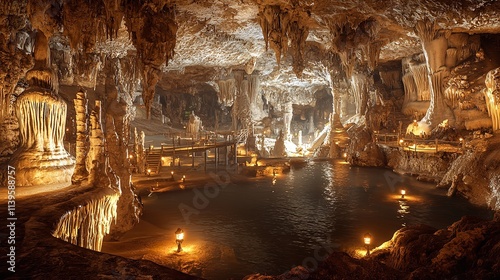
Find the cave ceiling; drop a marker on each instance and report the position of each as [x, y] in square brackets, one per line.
[214, 38]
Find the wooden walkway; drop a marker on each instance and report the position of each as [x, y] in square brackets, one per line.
[154, 155]
[419, 144]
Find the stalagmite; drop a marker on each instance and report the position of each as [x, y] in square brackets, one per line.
[117, 143]
[491, 94]
[287, 119]
[96, 139]
[41, 158]
[194, 126]
[82, 131]
[241, 111]
[86, 225]
[141, 156]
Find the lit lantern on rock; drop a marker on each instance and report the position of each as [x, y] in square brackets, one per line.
[403, 192]
[179, 237]
[368, 240]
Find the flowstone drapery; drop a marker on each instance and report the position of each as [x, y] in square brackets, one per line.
[87, 225]
[41, 112]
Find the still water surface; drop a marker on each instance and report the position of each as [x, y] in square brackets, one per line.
[271, 228]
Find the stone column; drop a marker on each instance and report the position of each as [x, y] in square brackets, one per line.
[82, 138]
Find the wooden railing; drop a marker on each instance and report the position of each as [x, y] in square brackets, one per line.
[412, 144]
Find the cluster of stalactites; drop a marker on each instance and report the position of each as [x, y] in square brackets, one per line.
[88, 22]
[86, 225]
[492, 96]
[283, 25]
[348, 37]
[152, 28]
[41, 121]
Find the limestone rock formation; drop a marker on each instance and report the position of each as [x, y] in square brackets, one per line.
[41, 112]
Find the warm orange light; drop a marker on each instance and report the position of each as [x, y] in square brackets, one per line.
[179, 236]
[403, 192]
[401, 141]
[367, 239]
[130, 156]
[172, 172]
[344, 155]
[461, 139]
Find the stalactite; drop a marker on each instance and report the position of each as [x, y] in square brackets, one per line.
[420, 75]
[371, 52]
[253, 88]
[82, 141]
[281, 25]
[227, 92]
[152, 28]
[347, 37]
[492, 96]
[86, 29]
[87, 225]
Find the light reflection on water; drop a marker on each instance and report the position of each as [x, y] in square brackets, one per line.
[273, 226]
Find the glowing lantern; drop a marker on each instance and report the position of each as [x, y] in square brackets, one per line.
[368, 240]
[179, 237]
[172, 173]
[149, 171]
[183, 178]
[403, 192]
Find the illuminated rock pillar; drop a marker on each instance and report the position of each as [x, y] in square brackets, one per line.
[82, 138]
[435, 44]
[41, 158]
